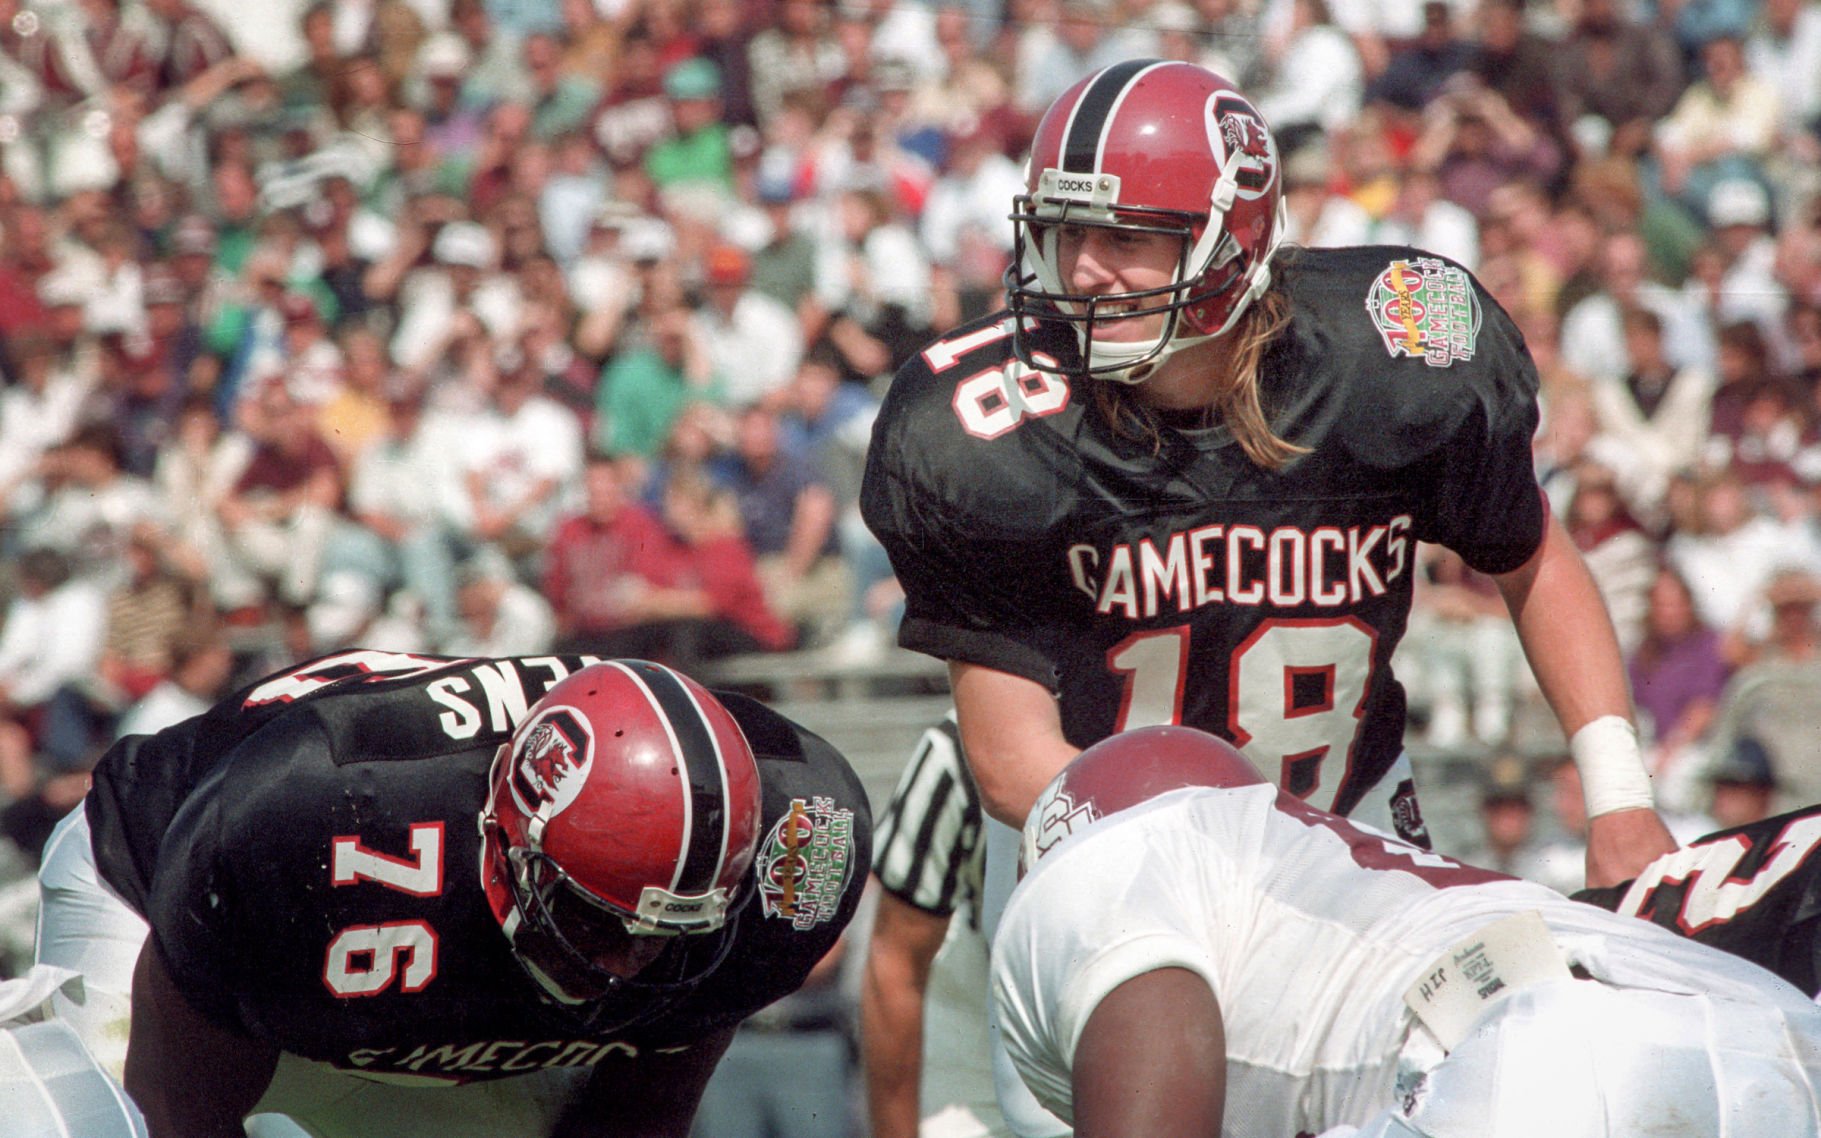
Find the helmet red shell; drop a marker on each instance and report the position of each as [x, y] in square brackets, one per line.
[636, 784]
[1159, 145]
[1126, 770]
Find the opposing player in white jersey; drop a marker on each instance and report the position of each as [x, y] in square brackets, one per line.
[1194, 951]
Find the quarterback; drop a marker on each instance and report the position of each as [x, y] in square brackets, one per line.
[1195, 951]
[400, 895]
[1182, 478]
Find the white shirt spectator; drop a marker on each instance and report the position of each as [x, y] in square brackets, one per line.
[514, 452]
[976, 199]
[51, 640]
[1317, 82]
[32, 420]
[413, 480]
[1593, 335]
[1792, 63]
[755, 349]
[427, 302]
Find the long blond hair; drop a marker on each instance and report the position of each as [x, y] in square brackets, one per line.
[1237, 405]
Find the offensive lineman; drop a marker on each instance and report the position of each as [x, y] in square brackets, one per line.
[400, 895]
[1182, 479]
[1195, 951]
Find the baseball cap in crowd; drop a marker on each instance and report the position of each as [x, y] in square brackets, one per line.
[444, 55]
[162, 286]
[463, 243]
[726, 265]
[1506, 780]
[61, 288]
[893, 74]
[194, 234]
[1737, 201]
[297, 308]
[646, 239]
[693, 78]
[1746, 764]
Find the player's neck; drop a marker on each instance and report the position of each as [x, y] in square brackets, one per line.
[1189, 379]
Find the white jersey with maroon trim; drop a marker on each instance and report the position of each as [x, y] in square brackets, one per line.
[1309, 930]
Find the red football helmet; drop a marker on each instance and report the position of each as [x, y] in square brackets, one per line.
[1124, 770]
[625, 807]
[1155, 147]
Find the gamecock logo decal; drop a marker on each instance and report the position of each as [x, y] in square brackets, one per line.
[550, 760]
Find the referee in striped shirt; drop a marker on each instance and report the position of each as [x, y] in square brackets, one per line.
[925, 976]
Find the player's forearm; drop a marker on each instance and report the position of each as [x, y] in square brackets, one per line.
[891, 1033]
[1567, 634]
[1011, 732]
[893, 987]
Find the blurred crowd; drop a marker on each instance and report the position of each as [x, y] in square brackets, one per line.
[496, 326]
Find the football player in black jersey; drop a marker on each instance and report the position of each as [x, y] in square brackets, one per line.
[1752, 890]
[398, 895]
[1182, 478]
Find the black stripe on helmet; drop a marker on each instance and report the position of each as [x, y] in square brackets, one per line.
[1081, 146]
[705, 846]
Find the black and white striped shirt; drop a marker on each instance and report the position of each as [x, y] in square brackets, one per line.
[929, 852]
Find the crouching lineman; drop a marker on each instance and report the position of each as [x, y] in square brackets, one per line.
[1193, 951]
[397, 895]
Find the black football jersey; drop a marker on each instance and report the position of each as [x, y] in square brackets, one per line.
[1753, 891]
[1174, 581]
[307, 855]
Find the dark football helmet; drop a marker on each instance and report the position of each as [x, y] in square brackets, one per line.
[625, 808]
[1126, 769]
[1155, 147]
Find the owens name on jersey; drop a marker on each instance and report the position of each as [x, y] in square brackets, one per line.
[1174, 581]
[307, 854]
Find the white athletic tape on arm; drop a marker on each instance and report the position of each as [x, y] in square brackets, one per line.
[1607, 754]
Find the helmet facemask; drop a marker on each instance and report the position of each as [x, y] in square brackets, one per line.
[564, 937]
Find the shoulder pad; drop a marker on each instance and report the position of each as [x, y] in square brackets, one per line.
[1406, 347]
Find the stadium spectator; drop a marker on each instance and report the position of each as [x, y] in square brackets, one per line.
[1593, 330]
[605, 563]
[1773, 698]
[874, 281]
[520, 459]
[754, 342]
[88, 506]
[797, 54]
[698, 152]
[1723, 126]
[646, 386]
[498, 611]
[1508, 839]
[1677, 671]
[1658, 414]
[1619, 554]
[789, 515]
[1316, 80]
[1744, 785]
[200, 666]
[52, 637]
[1618, 77]
[277, 514]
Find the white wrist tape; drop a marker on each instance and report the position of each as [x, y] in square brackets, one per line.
[1607, 754]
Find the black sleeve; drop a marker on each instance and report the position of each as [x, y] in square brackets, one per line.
[963, 519]
[1486, 504]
